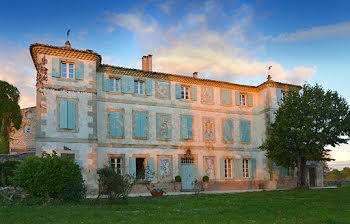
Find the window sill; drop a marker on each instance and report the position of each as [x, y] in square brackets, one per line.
[115, 137]
[114, 93]
[67, 79]
[140, 138]
[67, 130]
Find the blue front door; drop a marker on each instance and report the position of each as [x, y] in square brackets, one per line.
[187, 174]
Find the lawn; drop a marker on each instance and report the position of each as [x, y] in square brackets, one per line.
[292, 206]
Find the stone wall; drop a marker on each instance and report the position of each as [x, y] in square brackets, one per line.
[15, 157]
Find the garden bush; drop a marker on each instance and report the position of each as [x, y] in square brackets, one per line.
[113, 184]
[50, 176]
[6, 172]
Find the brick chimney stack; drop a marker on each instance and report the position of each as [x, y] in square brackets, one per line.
[195, 75]
[147, 63]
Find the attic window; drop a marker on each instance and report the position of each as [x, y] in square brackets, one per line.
[67, 70]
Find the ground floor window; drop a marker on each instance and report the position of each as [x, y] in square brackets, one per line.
[70, 155]
[140, 168]
[245, 168]
[228, 168]
[117, 164]
[289, 172]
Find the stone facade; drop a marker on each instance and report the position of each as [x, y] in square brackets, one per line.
[153, 125]
[23, 140]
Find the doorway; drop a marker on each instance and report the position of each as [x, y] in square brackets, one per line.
[140, 168]
[187, 174]
[312, 176]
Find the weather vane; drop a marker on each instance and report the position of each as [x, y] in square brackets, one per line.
[268, 75]
[68, 32]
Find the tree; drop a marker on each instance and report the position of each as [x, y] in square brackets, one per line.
[10, 113]
[307, 121]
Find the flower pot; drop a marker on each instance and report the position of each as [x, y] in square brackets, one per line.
[157, 194]
[261, 186]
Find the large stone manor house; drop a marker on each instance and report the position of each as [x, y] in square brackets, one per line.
[155, 126]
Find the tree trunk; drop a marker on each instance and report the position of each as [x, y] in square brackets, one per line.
[302, 172]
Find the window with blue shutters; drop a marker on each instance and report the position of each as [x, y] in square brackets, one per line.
[186, 122]
[140, 125]
[115, 124]
[67, 114]
[67, 70]
[245, 131]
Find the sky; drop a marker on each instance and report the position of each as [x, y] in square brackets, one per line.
[235, 41]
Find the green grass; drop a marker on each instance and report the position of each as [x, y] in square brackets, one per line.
[293, 206]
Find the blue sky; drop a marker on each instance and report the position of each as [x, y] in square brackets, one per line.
[304, 41]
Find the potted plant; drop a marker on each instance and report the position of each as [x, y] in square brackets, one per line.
[205, 180]
[178, 179]
[261, 185]
[158, 192]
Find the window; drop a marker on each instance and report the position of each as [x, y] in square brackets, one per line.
[245, 168]
[228, 168]
[283, 95]
[26, 129]
[140, 125]
[186, 122]
[289, 172]
[209, 167]
[27, 114]
[117, 164]
[69, 155]
[67, 114]
[243, 99]
[114, 85]
[139, 87]
[67, 70]
[185, 92]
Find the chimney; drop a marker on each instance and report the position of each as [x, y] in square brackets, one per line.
[195, 75]
[147, 63]
[68, 44]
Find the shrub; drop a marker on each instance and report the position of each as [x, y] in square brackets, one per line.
[178, 179]
[205, 179]
[113, 184]
[50, 176]
[6, 172]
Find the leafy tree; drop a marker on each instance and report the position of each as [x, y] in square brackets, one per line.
[10, 113]
[335, 174]
[306, 123]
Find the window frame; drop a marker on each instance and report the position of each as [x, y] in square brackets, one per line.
[67, 71]
[114, 85]
[246, 168]
[138, 87]
[289, 172]
[183, 87]
[229, 161]
[245, 96]
[283, 95]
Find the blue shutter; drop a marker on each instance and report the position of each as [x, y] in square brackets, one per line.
[279, 95]
[56, 64]
[227, 126]
[71, 115]
[194, 92]
[150, 169]
[282, 172]
[132, 168]
[238, 99]
[149, 87]
[250, 99]
[105, 83]
[222, 168]
[253, 167]
[238, 168]
[189, 127]
[184, 127]
[245, 131]
[125, 84]
[136, 125]
[226, 96]
[295, 173]
[116, 123]
[63, 114]
[79, 70]
[131, 85]
[143, 125]
[178, 90]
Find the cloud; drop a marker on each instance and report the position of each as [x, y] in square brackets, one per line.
[192, 43]
[17, 69]
[316, 33]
